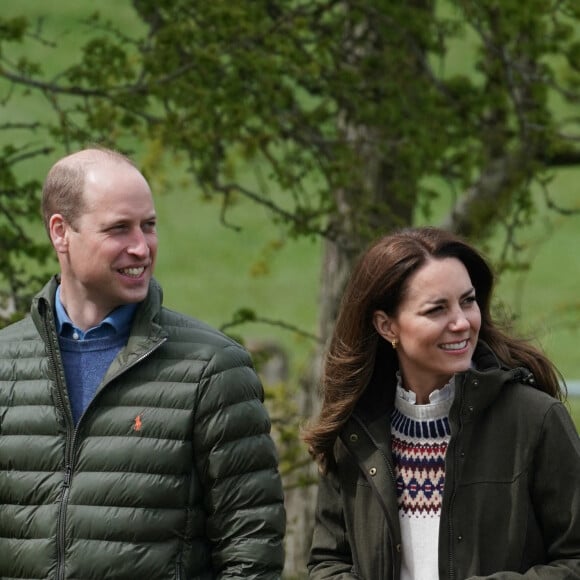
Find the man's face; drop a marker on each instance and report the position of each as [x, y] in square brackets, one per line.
[111, 249]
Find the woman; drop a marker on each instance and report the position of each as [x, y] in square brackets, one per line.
[443, 446]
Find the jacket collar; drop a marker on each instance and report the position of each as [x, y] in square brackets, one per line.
[476, 389]
[145, 326]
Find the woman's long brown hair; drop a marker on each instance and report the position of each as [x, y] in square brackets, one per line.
[379, 282]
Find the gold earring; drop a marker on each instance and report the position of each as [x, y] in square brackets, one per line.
[394, 343]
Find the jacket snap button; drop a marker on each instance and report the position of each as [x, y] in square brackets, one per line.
[470, 408]
[459, 538]
[398, 548]
[353, 437]
[475, 382]
[373, 470]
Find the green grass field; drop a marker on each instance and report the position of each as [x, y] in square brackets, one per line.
[575, 409]
[210, 271]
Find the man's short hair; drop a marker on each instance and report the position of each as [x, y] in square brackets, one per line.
[63, 187]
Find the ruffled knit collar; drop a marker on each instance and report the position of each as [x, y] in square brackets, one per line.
[439, 403]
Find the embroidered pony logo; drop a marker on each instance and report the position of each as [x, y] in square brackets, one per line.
[137, 423]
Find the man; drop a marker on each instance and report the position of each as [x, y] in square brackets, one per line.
[133, 439]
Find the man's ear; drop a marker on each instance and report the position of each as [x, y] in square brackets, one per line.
[58, 231]
[384, 325]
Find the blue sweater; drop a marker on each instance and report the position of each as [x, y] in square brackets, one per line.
[85, 365]
[87, 355]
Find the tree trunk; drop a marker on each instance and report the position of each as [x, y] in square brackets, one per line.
[301, 500]
[378, 213]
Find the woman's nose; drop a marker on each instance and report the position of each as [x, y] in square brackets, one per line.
[459, 321]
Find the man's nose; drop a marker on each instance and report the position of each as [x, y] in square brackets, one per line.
[138, 244]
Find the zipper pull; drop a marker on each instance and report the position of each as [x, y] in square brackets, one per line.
[67, 476]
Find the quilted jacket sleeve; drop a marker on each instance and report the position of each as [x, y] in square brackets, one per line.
[330, 555]
[238, 464]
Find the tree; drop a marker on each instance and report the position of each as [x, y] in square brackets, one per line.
[18, 247]
[351, 108]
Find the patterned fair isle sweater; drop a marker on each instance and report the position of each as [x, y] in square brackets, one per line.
[420, 435]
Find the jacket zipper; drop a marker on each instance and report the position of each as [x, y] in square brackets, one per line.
[61, 523]
[518, 374]
[451, 551]
[70, 440]
[69, 444]
[62, 511]
[452, 498]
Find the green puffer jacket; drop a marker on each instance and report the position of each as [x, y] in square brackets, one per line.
[171, 472]
[511, 505]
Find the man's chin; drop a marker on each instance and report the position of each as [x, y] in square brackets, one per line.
[134, 295]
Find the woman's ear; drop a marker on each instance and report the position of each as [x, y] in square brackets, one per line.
[384, 325]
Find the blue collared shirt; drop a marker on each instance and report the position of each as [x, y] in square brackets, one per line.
[87, 355]
[117, 322]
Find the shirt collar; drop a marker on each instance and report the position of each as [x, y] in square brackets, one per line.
[437, 396]
[116, 322]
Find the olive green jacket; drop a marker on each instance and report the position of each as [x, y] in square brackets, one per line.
[511, 504]
[170, 473]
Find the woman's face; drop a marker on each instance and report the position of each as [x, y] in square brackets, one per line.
[436, 325]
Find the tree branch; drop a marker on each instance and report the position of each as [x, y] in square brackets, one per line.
[475, 211]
